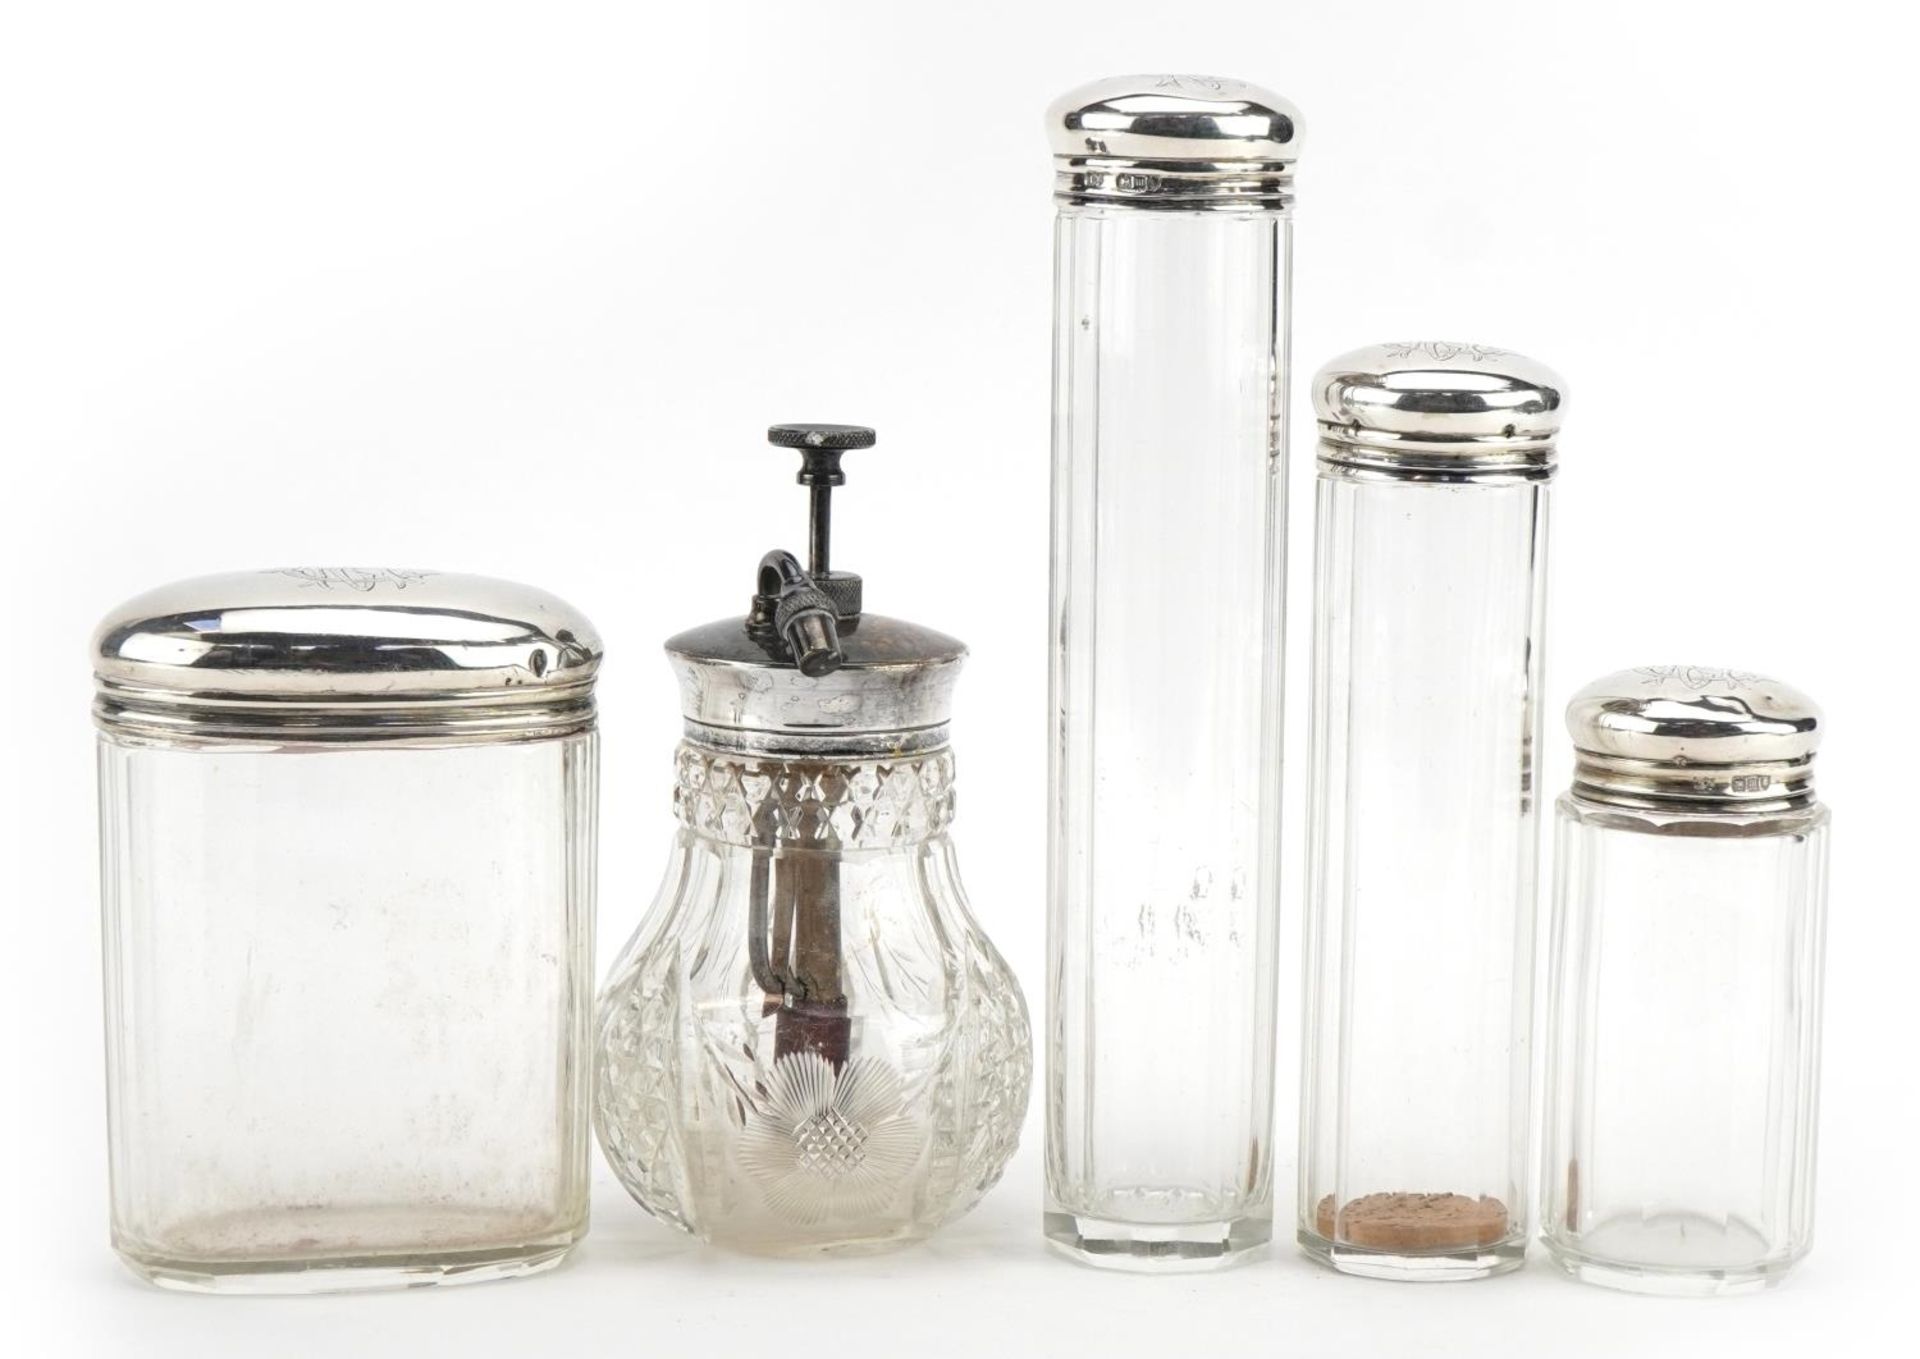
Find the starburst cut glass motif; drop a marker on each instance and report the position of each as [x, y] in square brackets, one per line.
[825, 1144]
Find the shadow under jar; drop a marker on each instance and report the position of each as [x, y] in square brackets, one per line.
[1683, 1044]
[1429, 593]
[347, 870]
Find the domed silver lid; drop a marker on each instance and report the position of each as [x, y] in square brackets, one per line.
[1434, 410]
[1174, 141]
[301, 656]
[1694, 735]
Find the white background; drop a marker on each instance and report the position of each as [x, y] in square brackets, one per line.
[516, 289]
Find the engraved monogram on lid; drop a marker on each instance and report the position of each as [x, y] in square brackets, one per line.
[1443, 351]
[361, 578]
[1214, 86]
[1700, 677]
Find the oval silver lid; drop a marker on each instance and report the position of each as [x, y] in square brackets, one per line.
[892, 694]
[1174, 141]
[1441, 411]
[339, 655]
[1692, 735]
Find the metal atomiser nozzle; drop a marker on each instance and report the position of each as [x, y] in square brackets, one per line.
[799, 614]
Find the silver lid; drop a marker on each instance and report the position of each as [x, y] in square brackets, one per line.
[1431, 410]
[892, 693]
[324, 656]
[1174, 141]
[1694, 736]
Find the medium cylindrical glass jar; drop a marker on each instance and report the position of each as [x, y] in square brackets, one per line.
[809, 1046]
[1171, 276]
[1429, 594]
[1683, 1043]
[347, 866]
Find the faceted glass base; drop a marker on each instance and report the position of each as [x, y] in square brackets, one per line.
[1674, 1283]
[1688, 1255]
[1481, 1262]
[348, 1274]
[1156, 1247]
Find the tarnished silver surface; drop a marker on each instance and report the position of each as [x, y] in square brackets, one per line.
[893, 694]
[1434, 410]
[1667, 735]
[1174, 141]
[338, 655]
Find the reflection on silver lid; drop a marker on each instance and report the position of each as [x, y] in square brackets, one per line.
[1659, 734]
[1174, 141]
[337, 655]
[1439, 410]
[891, 694]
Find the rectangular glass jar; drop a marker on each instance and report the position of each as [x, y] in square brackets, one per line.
[348, 959]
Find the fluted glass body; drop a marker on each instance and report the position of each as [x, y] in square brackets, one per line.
[1168, 499]
[1428, 607]
[347, 1000]
[1683, 1046]
[863, 1114]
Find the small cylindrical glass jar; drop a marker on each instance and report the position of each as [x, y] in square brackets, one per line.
[809, 1046]
[1171, 276]
[1429, 593]
[347, 868]
[1683, 1042]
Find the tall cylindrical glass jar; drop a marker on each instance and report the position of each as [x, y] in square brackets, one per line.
[1169, 459]
[1429, 601]
[1683, 1044]
[347, 871]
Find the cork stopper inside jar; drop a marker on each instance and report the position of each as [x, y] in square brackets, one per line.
[1404, 1222]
